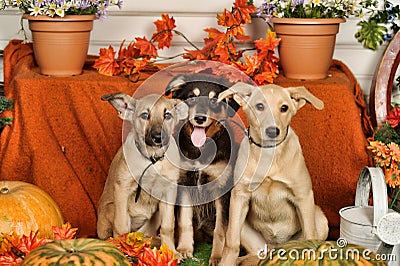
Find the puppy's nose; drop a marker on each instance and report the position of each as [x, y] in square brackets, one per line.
[272, 132]
[200, 119]
[157, 139]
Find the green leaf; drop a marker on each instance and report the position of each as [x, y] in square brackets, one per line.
[387, 134]
[5, 121]
[5, 104]
[370, 34]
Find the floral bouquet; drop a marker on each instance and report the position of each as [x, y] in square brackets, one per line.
[385, 150]
[61, 8]
[380, 24]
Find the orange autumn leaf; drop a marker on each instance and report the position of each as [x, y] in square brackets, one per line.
[194, 55]
[147, 49]
[226, 19]
[163, 35]
[268, 44]
[166, 23]
[131, 244]
[240, 34]
[243, 10]
[215, 34]
[251, 64]
[264, 77]
[210, 43]
[139, 65]
[222, 52]
[106, 63]
[64, 232]
[128, 52]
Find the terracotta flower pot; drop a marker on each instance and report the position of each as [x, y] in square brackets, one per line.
[60, 45]
[307, 45]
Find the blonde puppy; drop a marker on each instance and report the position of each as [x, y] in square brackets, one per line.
[141, 188]
[273, 200]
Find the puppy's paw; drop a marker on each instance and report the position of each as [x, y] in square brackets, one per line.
[214, 261]
[186, 252]
[178, 256]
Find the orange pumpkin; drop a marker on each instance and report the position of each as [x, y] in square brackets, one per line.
[25, 207]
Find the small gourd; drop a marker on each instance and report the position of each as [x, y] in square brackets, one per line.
[81, 251]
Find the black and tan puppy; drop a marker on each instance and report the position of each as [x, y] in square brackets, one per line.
[208, 153]
[141, 188]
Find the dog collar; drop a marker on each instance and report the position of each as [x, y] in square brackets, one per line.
[153, 160]
[252, 141]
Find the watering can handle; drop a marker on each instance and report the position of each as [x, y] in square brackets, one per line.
[372, 176]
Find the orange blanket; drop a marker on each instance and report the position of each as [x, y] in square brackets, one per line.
[64, 137]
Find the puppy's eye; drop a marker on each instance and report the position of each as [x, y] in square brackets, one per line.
[284, 108]
[214, 101]
[260, 107]
[167, 116]
[191, 101]
[144, 116]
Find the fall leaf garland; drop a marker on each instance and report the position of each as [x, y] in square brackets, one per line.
[140, 54]
[14, 247]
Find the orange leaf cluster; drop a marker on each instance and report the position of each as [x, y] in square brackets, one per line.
[14, 248]
[385, 149]
[387, 156]
[137, 246]
[138, 55]
[261, 65]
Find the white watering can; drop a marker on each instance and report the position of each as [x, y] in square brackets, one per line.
[374, 227]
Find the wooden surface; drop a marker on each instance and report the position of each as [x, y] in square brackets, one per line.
[381, 88]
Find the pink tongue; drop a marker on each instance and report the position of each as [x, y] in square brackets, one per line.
[198, 136]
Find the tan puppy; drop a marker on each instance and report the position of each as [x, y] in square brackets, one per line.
[148, 151]
[273, 200]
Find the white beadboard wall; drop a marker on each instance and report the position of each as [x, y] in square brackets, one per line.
[136, 18]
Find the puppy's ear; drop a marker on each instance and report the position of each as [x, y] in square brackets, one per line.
[302, 96]
[233, 107]
[175, 84]
[123, 103]
[181, 109]
[240, 92]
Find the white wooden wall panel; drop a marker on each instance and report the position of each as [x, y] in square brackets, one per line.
[192, 16]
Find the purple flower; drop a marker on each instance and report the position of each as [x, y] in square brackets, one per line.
[391, 18]
[297, 3]
[83, 4]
